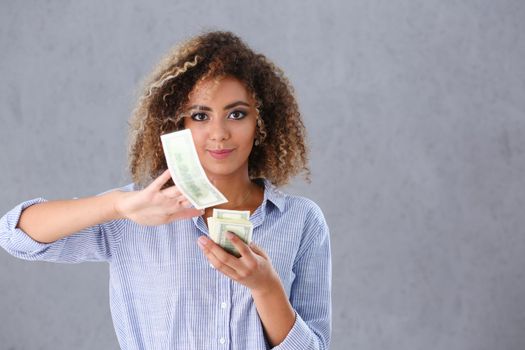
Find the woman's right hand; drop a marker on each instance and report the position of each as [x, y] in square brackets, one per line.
[154, 206]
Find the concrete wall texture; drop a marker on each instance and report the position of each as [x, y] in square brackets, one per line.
[416, 117]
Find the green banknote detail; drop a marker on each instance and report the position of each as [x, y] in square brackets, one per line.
[231, 214]
[187, 172]
[218, 225]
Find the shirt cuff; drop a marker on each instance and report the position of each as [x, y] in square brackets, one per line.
[17, 240]
[299, 337]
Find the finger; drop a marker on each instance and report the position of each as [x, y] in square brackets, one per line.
[160, 181]
[183, 202]
[219, 252]
[171, 192]
[177, 203]
[238, 243]
[180, 202]
[220, 265]
[258, 250]
[185, 213]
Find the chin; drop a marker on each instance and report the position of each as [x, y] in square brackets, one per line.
[224, 170]
[219, 171]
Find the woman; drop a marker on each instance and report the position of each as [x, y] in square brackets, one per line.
[171, 287]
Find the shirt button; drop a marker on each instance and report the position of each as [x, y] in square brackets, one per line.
[223, 305]
[222, 340]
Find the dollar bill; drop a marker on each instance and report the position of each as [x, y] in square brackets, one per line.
[236, 223]
[231, 214]
[187, 172]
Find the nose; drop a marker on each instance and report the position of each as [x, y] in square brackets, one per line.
[218, 130]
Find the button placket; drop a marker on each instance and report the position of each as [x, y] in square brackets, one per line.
[223, 331]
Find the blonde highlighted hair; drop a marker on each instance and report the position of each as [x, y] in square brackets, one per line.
[280, 151]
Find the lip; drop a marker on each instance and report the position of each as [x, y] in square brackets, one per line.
[220, 153]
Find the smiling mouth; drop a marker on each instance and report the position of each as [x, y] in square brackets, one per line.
[220, 153]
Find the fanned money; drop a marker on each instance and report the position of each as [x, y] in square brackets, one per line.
[234, 221]
[187, 172]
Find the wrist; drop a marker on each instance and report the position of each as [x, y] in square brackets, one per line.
[273, 287]
[115, 207]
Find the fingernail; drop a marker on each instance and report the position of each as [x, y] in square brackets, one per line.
[229, 235]
[202, 241]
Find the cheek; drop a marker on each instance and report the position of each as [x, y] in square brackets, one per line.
[246, 137]
[246, 132]
[199, 138]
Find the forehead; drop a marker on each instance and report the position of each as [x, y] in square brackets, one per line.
[225, 89]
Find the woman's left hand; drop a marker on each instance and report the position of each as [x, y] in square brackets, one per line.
[252, 269]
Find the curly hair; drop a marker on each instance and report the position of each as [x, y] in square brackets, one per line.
[280, 151]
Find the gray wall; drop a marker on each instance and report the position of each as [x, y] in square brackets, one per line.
[416, 116]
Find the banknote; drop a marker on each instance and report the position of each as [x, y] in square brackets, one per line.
[239, 226]
[187, 172]
[231, 214]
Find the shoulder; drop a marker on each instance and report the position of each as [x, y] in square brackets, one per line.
[304, 204]
[315, 235]
[302, 208]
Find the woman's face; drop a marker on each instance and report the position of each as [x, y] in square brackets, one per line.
[222, 118]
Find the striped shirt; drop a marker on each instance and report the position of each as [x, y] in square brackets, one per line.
[164, 294]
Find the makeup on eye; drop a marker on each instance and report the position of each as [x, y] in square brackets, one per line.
[241, 112]
[193, 109]
[200, 116]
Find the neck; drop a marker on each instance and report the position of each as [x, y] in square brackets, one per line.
[236, 188]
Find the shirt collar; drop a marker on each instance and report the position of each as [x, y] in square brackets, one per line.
[272, 194]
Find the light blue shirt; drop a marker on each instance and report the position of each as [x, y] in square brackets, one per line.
[164, 294]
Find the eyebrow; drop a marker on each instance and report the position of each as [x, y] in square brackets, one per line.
[231, 105]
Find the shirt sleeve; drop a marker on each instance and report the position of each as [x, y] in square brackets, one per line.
[95, 243]
[310, 293]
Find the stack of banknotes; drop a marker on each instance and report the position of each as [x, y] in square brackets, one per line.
[235, 221]
[189, 176]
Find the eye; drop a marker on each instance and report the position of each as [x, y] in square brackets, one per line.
[237, 115]
[199, 117]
